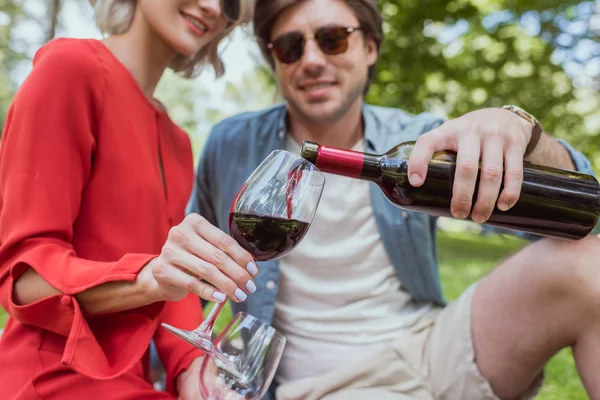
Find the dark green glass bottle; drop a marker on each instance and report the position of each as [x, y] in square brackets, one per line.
[553, 202]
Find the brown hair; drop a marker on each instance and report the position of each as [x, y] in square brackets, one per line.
[266, 13]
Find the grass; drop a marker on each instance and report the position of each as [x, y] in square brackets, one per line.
[464, 258]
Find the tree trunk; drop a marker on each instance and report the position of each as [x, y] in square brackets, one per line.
[53, 11]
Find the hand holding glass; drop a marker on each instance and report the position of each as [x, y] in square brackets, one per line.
[269, 216]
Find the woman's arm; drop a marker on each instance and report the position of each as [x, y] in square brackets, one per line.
[106, 298]
[46, 161]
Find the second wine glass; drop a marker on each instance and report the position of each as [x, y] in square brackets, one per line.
[269, 216]
[254, 350]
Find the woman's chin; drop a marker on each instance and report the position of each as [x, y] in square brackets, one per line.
[188, 51]
[187, 48]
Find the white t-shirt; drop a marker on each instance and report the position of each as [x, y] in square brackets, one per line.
[339, 296]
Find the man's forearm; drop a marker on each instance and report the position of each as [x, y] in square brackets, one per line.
[103, 299]
[550, 152]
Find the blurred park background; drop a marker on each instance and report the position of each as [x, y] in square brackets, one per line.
[444, 56]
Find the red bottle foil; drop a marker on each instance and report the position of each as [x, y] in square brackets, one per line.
[340, 162]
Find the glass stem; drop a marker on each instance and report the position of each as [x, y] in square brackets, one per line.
[205, 329]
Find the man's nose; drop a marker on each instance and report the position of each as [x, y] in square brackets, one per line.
[312, 56]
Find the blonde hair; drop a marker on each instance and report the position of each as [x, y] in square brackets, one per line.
[114, 17]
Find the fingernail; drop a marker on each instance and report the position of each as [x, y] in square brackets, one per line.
[477, 218]
[252, 268]
[220, 297]
[415, 179]
[240, 295]
[250, 286]
[502, 206]
[460, 215]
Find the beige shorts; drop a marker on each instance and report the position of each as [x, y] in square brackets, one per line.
[432, 360]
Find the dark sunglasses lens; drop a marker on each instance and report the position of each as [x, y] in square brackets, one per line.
[333, 40]
[231, 9]
[288, 48]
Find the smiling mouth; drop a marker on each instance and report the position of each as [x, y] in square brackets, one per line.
[196, 23]
[317, 86]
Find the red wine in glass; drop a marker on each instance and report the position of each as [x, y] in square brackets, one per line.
[266, 237]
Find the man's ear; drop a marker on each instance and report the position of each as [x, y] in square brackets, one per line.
[371, 50]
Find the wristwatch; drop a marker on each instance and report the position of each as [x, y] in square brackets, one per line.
[536, 130]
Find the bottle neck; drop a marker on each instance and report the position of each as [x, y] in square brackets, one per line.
[348, 163]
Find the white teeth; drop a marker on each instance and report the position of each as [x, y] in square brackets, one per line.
[317, 86]
[196, 23]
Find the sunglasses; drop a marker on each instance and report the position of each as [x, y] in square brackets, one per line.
[331, 40]
[231, 9]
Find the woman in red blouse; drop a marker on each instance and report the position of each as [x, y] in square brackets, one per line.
[95, 251]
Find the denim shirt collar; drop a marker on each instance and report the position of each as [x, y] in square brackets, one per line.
[372, 134]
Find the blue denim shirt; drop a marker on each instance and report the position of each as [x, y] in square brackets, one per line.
[236, 147]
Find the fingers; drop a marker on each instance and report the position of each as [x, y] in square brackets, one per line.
[465, 176]
[423, 150]
[203, 270]
[168, 275]
[195, 246]
[219, 269]
[490, 133]
[492, 160]
[225, 243]
[513, 178]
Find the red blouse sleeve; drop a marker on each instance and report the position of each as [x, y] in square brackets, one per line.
[45, 161]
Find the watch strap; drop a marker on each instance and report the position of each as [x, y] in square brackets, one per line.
[536, 128]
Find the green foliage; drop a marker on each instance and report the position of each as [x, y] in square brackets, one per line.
[455, 56]
[177, 95]
[12, 13]
[253, 91]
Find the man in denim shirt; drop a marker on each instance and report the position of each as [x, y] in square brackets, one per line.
[359, 299]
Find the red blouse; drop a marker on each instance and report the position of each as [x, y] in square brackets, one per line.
[92, 177]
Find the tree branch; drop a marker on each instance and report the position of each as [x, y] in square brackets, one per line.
[53, 11]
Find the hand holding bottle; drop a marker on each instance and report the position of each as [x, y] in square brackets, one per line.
[200, 258]
[495, 136]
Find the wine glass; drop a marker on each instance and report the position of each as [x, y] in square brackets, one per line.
[253, 349]
[275, 207]
[268, 217]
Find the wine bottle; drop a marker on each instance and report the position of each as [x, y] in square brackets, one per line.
[553, 202]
